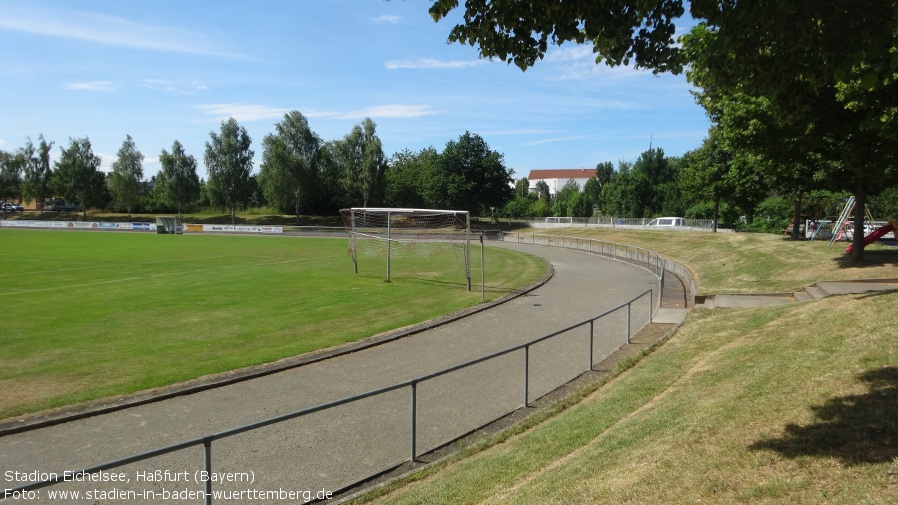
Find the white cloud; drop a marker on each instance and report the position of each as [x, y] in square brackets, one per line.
[394, 20]
[109, 30]
[516, 132]
[243, 111]
[572, 53]
[251, 112]
[90, 86]
[175, 86]
[431, 63]
[578, 62]
[560, 139]
[609, 137]
[379, 111]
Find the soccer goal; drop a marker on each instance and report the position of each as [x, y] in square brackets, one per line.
[394, 233]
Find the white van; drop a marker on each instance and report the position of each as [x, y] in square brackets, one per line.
[668, 221]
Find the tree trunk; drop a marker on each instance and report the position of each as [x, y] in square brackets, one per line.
[860, 207]
[796, 215]
[716, 214]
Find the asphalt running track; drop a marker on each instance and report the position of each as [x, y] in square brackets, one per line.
[333, 449]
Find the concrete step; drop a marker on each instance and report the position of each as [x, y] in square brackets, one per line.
[801, 296]
[815, 293]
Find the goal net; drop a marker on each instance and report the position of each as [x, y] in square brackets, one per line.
[395, 233]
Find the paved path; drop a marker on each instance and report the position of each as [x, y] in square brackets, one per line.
[332, 449]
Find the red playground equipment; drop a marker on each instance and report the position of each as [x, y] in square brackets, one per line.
[878, 234]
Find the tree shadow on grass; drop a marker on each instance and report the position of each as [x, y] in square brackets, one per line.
[855, 429]
[872, 258]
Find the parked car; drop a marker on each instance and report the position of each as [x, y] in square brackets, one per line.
[668, 221]
[12, 207]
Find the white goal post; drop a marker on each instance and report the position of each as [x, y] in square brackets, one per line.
[394, 233]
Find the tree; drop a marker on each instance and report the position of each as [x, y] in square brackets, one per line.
[604, 172]
[470, 177]
[127, 172]
[618, 193]
[407, 175]
[178, 182]
[829, 68]
[37, 172]
[332, 193]
[543, 191]
[362, 165]
[229, 161]
[77, 176]
[522, 188]
[11, 167]
[564, 197]
[290, 163]
[837, 103]
[580, 206]
[593, 191]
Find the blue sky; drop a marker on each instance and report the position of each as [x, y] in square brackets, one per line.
[173, 70]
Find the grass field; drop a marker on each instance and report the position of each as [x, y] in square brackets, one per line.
[88, 315]
[792, 404]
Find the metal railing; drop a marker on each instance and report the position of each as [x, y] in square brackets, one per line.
[646, 258]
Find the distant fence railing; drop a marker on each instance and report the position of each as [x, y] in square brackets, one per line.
[637, 311]
[614, 221]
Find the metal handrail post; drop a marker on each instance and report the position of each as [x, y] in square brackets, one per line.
[591, 342]
[207, 455]
[651, 304]
[526, 376]
[414, 430]
[628, 322]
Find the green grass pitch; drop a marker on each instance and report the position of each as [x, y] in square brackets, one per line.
[88, 315]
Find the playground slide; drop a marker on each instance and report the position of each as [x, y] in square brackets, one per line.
[876, 235]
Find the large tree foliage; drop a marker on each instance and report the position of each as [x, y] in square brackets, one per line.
[407, 174]
[11, 167]
[37, 172]
[646, 188]
[362, 164]
[818, 127]
[290, 163]
[77, 176]
[620, 31]
[125, 179]
[229, 161]
[827, 75]
[565, 197]
[178, 182]
[471, 177]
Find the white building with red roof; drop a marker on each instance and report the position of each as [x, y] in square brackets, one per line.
[557, 178]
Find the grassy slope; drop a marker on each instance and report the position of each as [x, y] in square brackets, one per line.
[751, 262]
[88, 315]
[792, 404]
